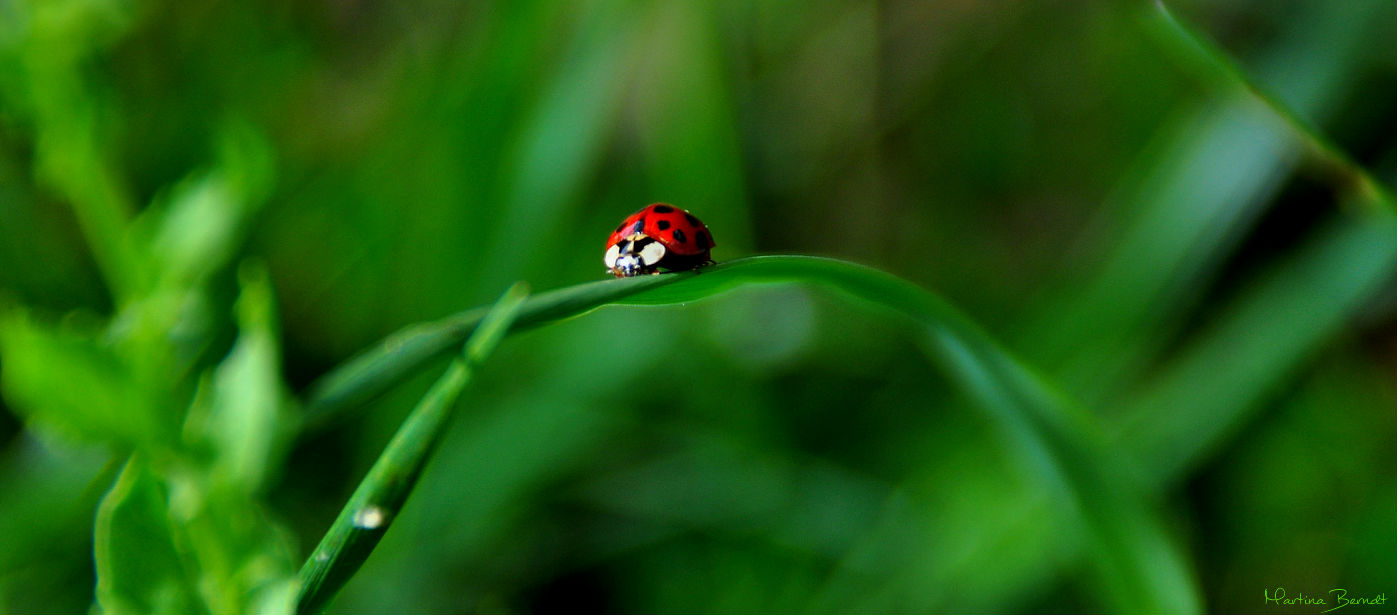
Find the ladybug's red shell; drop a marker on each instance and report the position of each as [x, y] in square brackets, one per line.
[659, 236]
[678, 229]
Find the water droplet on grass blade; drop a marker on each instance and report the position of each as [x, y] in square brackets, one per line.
[370, 518]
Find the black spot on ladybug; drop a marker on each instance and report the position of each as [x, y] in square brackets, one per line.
[692, 220]
[679, 236]
[701, 240]
[662, 225]
[623, 225]
[662, 209]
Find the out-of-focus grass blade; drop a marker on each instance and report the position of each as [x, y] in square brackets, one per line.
[380, 496]
[1303, 77]
[1267, 333]
[688, 134]
[1140, 566]
[53, 45]
[1303, 91]
[1197, 192]
[1200, 193]
[1269, 330]
[563, 138]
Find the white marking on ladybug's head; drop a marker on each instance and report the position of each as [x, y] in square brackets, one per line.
[627, 265]
[611, 254]
[652, 253]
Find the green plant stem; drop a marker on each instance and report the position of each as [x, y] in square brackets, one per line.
[1141, 567]
[364, 519]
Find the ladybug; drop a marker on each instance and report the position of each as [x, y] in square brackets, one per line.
[659, 235]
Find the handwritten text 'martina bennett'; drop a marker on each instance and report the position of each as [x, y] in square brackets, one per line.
[1339, 598]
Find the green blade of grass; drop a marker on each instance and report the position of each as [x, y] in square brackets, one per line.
[391, 361]
[398, 356]
[1297, 82]
[377, 500]
[1136, 564]
[1188, 408]
[1139, 566]
[1199, 190]
[1276, 323]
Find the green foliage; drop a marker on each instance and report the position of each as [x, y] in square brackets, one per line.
[182, 529]
[94, 397]
[1137, 560]
[1154, 373]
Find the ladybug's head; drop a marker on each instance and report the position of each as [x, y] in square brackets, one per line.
[635, 255]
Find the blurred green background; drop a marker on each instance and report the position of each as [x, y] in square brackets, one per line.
[1180, 237]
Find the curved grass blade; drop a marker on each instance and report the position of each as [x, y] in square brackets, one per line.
[1140, 567]
[1136, 563]
[367, 515]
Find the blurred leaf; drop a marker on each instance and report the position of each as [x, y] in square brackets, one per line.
[53, 41]
[239, 411]
[380, 496]
[199, 227]
[242, 560]
[139, 568]
[186, 238]
[69, 382]
[185, 545]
